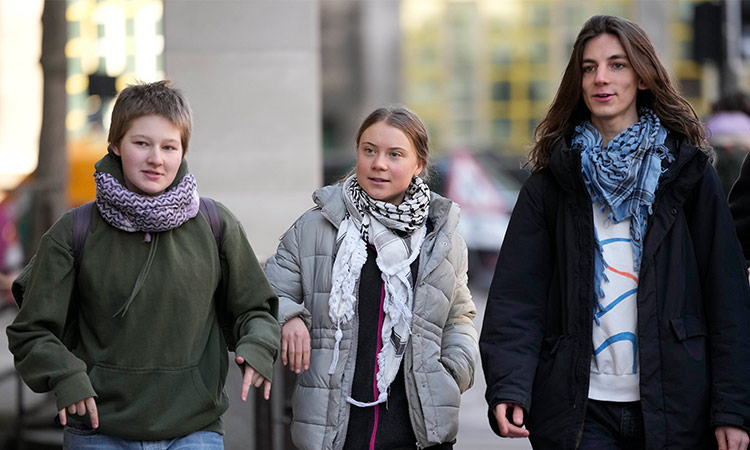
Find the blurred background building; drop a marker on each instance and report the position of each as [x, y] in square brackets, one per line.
[279, 87]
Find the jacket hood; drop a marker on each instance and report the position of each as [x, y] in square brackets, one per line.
[112, 164]
[330, 200]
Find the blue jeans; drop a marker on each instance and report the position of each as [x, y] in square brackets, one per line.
[78, 436]
[613, 425]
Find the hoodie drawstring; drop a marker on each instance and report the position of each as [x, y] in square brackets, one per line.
[154, 241]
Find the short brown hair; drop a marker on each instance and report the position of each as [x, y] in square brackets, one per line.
[406, 121]
[144, 99]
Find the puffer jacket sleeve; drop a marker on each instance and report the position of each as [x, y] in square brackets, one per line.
[459, 349]
[34, 337]
[513, 324]
[284, 272]
[249, 298]
[726, 302]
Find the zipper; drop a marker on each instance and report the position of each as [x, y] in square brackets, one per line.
[375, 391]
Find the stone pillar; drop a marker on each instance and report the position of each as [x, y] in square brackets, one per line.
[250, 70]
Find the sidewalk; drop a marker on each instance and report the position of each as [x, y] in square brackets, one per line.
[474, 430]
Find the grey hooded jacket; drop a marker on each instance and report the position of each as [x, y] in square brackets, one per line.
[441, 355]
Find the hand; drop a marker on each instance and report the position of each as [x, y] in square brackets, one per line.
[251, 377]
[731, 438]
[81, 408]
[295, 345]
[508, 429]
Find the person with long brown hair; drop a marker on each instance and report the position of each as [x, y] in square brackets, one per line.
[618, 313]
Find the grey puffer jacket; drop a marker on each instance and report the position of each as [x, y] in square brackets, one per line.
[441, 355]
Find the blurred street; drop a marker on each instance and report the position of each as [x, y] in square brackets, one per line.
[474, 433]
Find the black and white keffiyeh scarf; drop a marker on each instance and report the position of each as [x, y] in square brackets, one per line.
[372, 221]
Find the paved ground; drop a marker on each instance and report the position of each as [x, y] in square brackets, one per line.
[474, 433]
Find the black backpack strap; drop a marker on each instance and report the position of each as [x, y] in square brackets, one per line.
[226, 321]
[211, 212]
[81, 226]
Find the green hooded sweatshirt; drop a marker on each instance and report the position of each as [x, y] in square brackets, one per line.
[156, 367]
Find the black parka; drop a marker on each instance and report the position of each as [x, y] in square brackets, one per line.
[693, 308]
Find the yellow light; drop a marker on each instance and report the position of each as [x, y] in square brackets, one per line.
[416, 13]
[111, 46]
[76, 84]
[510, 11]
[75, 119]
[78, 10]
[74, 48]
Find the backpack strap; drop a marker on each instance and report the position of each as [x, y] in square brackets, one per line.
[226, 321]
[211, 212]
[81, 226]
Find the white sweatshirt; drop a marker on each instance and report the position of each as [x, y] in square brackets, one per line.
[614, 365]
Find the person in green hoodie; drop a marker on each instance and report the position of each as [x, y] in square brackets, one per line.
[148, 361]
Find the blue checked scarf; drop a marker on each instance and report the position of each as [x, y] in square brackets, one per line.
[623, 177]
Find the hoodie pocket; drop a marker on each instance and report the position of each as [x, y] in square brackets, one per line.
[153, 403]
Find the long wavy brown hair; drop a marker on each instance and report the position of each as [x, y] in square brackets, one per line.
[660, 94]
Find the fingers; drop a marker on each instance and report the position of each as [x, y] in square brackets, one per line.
[297, 355]
[266, 389]
[63, 417]
[247, 380]
[301, 352]
[295, 345]
[518, 416]
[258, 380]
[93, 412]
[284, 347]
[80, 408]
[721, 438]
[306, 351]
[502, 422]
[508, 429]
[731, 438]
[252, 378]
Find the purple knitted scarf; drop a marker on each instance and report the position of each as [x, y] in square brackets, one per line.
[128, 211]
